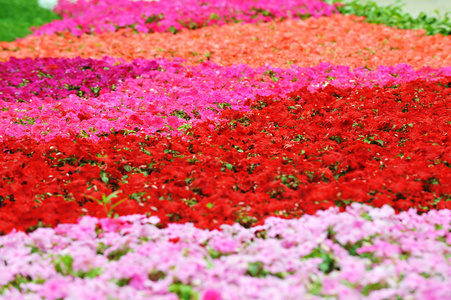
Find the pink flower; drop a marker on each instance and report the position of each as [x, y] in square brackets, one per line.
[224, 245]
[137, 281]
[54, 289]
[212, 295]
[173, 122]
[157, 122]
[110, 225]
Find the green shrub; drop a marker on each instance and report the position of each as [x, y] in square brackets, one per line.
[393, 15]
[17, 16]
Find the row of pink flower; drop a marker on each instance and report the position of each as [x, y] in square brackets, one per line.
[97, 16]
[151, 96]
[21, 79]
[362, 253]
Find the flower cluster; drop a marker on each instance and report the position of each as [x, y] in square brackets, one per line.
[340, 40]
[56, 78]
[281, 157]
[86, 16]
[285, 156]
[363, 253]
[45, 98]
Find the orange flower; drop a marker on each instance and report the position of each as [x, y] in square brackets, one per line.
[343, 40]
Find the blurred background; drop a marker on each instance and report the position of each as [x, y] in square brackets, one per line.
[17, 16]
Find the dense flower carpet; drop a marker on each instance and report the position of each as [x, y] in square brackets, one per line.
[224, 150]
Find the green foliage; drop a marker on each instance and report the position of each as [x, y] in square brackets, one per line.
[184, 292]
[329, 263]
[393, 16]
[17, 16]
[64, 266]
[255, 269]
[107, 201]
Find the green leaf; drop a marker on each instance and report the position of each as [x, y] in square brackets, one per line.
[173, 30]
[255, 269]
[184, 292]
[103, 176]
[284, 179]
[63, 264]
[380, 142]
[91, 273]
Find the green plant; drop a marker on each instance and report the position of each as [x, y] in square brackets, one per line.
[17, 16]
[394, 16]
[184, 292]
[106, 202]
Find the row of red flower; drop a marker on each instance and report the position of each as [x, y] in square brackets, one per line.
[284, 157]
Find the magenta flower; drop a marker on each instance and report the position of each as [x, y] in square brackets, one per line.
[212, 295]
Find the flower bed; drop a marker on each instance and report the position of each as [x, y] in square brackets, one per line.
[339, 40]
[282, 154]
[86, 16]
[148, 96]
[363, 253]
[292, 159]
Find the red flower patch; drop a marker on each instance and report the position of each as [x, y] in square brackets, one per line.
[284, 158]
